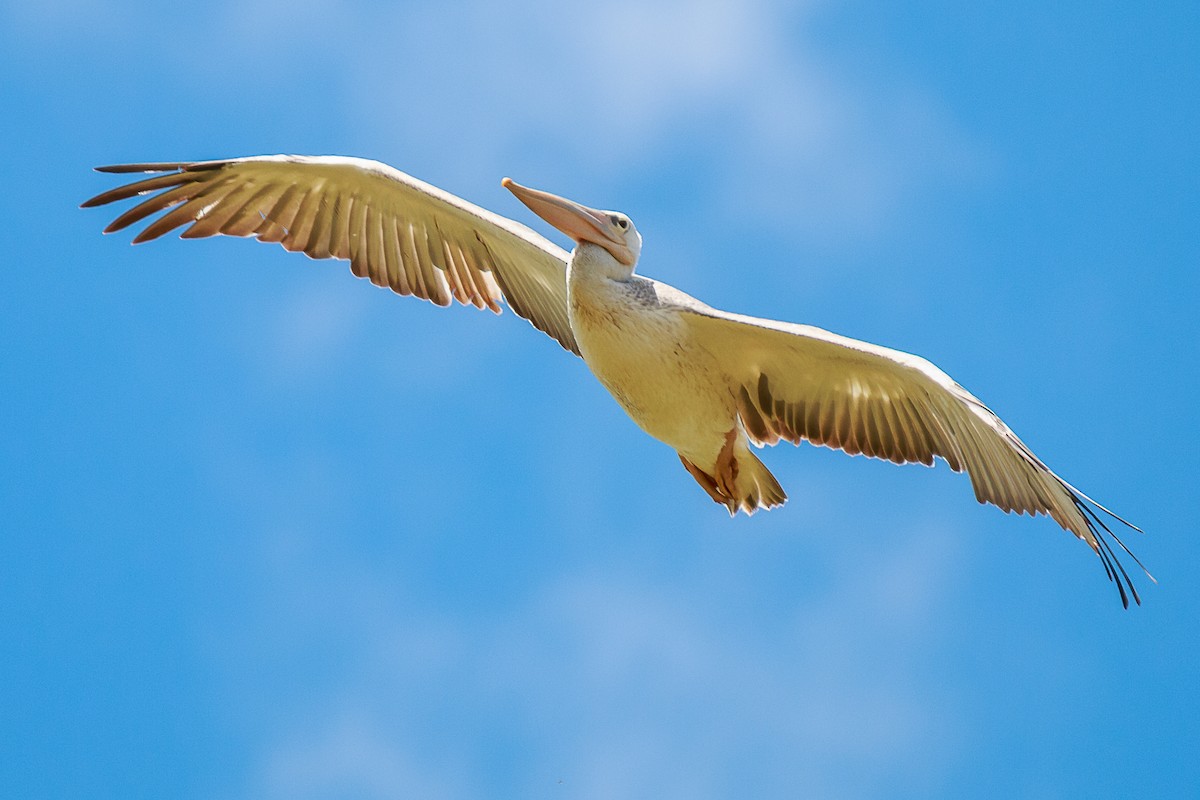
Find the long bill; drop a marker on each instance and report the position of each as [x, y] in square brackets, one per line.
[581, 223]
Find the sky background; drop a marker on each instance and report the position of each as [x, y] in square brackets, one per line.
[271, 532]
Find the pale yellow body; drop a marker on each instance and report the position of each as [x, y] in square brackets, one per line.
[638, 338]
[644, 356]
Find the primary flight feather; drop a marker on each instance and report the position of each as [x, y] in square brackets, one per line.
[706, 382]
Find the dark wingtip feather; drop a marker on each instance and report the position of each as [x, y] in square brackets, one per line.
[148, 234]
[161, 166]
[1114, 536]
[1108, 557]
[1111, 572]
[98, 200]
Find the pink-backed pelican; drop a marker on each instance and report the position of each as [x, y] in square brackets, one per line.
[706, 382]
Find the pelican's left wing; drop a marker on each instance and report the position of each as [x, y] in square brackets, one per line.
[399, 232]
[797, 382]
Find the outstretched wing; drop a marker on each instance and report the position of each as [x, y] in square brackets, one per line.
[797, 382]
[399, 232]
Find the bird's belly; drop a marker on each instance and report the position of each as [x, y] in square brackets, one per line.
[667, 386]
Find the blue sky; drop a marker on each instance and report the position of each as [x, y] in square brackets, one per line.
[272, 532]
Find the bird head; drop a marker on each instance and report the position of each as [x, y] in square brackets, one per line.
[610, 230]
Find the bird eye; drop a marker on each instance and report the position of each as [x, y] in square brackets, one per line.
[621, 223]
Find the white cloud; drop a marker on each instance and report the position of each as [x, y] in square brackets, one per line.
[791, 143]
[589, 98]
[350, 757]
[307, 329]
[617, 681]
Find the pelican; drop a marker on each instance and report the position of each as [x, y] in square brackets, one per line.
[706, 382]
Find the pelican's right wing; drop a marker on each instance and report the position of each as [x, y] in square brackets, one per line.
[399, 232]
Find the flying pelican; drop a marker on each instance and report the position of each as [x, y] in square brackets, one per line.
[706, 382]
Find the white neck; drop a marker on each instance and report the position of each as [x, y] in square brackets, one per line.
[594, 261]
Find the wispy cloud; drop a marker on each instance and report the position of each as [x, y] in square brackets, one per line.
[618, 683]
[790, 142]
[588, 97]
[349, 757]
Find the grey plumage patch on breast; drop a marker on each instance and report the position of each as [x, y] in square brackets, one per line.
[652, 294]
[643, 292]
